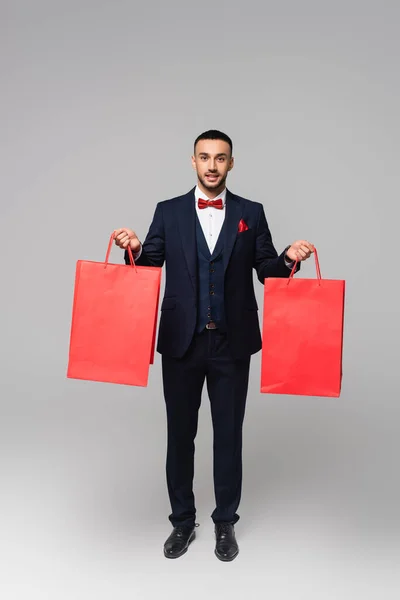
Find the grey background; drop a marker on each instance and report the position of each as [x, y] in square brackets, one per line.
[100, 104]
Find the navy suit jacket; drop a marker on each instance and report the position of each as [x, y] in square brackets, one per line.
[172, 238]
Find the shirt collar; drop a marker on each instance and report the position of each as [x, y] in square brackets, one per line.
[199, 194]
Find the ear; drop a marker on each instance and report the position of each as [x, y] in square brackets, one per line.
[193, 163]
[231, 163]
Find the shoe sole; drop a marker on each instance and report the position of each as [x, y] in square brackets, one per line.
[226, 559]
[190, 540]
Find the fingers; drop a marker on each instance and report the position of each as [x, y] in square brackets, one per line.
[118, 232]
[123, 230]
[307, 246]
[123, 236]
[303, 249]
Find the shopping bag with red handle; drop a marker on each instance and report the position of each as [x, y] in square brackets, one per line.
[114, 316]
[302, 338]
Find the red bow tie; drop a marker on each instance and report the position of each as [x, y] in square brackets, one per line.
[213, 203]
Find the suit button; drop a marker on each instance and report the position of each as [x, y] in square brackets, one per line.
[212, 270]
[211, 293]
[212, 264]
[211, 285]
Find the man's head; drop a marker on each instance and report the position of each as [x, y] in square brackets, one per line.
[212, 160]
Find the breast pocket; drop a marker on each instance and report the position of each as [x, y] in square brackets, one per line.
[245, 240]
[245, 235]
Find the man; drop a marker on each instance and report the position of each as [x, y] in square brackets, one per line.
[210, 240]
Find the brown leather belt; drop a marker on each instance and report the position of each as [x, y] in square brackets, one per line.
[211, 325]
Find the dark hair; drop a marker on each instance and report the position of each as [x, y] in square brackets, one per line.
[214, 134]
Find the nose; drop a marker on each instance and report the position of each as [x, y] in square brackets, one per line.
[212, 165]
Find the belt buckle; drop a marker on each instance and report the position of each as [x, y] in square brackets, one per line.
[211, 325]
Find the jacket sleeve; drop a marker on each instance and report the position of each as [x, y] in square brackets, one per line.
[153, 248]
[267, 262]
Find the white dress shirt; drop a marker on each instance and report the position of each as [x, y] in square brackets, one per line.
[211, 219]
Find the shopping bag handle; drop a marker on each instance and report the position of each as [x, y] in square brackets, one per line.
[131, 260]
[316, 266]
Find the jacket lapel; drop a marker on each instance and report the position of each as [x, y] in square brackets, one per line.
[232, 218]
[187, 229]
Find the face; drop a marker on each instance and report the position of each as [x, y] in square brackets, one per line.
[212, 161]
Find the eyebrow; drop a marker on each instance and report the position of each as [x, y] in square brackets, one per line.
[217, 155]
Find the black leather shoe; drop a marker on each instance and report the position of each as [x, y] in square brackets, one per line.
[226, 547]
[179, 540]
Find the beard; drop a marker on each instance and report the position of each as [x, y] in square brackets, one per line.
[219, 183]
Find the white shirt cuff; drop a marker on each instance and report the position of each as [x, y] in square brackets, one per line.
[137, 255]
[289, 264]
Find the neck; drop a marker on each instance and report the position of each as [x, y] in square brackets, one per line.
[211, 193]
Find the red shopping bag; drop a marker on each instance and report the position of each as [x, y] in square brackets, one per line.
[114, 318]
[302, 335]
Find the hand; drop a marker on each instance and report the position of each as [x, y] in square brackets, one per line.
[126, 237]
[300, 250]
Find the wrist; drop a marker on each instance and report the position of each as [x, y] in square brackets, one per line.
[135, 247]
[287, 257]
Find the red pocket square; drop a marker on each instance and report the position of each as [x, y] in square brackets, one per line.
[242, 226]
